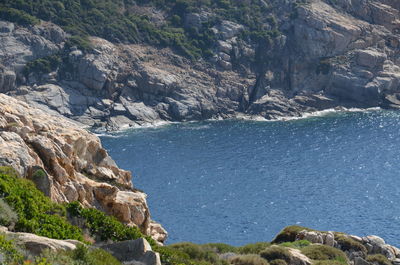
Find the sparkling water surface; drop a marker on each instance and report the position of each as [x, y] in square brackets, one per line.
[239, 182]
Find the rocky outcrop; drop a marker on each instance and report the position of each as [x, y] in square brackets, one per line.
[329, 54]
[356, 248]
[133, 252]
[75, 166]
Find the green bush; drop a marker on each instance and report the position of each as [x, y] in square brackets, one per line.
[103, 226]
[9, 251]
[220, 248]
[43, 65]
[378, 259]
[197, 252]
[17, 16]
[254, 248]
[323, 252]
[37, 213]
[82, 255]
[250, 259]
[296, 244]
[7, 215]
[276, 252]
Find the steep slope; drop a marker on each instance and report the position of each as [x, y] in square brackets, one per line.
[68, 164]
[294, 58]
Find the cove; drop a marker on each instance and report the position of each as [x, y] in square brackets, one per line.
[239, 182]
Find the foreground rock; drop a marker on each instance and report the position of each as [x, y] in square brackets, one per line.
[133, 252]
[69, 164]
[35, 245]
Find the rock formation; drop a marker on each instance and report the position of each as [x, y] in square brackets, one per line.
[329, 54]
[69, 164]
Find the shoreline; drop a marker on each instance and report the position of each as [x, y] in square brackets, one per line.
[238, 117]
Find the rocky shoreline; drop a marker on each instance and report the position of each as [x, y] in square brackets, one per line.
[349, 60]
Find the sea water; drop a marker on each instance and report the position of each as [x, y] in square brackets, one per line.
[239, 182]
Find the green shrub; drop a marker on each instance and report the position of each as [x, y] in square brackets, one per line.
[7, 215]
[347, 243]
[17, 16]
[43, 65]
[378, 259]
[296, 244]
[82, 255]
[81, 42]
[276, 252]
[37, 213]
[220, 248]
[103, 226]
[323, 252]
[197, 252]
[289, 233]
[250, 259]
[254, 248]
[9, 251]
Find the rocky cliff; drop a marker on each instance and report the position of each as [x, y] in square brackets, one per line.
[68, 164]
[327, 54]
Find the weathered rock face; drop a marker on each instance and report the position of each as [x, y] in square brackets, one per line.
[77, 167]
[135, 252]
[330, 54]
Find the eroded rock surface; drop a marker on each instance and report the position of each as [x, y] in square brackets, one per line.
[76, 166]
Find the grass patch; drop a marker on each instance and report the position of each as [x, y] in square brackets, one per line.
[323, 252]
[254, 248]
[276, 252]
[296, 244]
[378, 259]
[220, 248]
[250, 259]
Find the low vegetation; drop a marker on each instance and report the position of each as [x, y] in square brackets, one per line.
[36, 213]
[126, 21]
[296, 244]
[250, 259]
[276, 252]
[25, 208]
[323, 252]
[102, 226]
[348, 243]
[378, 259]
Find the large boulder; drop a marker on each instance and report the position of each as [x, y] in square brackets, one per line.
[134, 252]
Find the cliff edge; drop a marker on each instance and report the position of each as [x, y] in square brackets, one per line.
[67, 163]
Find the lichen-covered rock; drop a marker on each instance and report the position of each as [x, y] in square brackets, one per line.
[75, 164]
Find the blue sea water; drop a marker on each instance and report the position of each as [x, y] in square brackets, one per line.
[242, 181]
